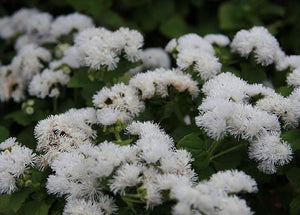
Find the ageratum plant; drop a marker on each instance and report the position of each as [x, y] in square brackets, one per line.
[92, 123]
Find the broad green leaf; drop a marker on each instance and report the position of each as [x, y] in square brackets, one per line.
[4, 133]
[231, 16]
[35, 208]
[295, 206]
[294, 176]
[4, 202]
[174, 27]
[20, 117]
[253, 74]
[196, 147]
[228, 161]
[284, 91]
[192, 142]
[293, 138]
[16, 199]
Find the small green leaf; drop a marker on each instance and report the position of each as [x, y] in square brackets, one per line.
[293, 138]
[20, 117]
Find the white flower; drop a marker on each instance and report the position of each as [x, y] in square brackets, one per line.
[293, 78]
[157, 81]
[108, 116]
[171, 46]
[258, 39]
[126, 176]
[132, 42]
[28, 60]
[226, 86]
[12, 85]
[218, 39]
[152, 58]
[64, 24]
[14, 159]
[270, 151]
[71, 57]
[233, 181]
[41, 83]
[39, 24]
[64, 132]
[122, 98]
[82, 207]
[282, 107]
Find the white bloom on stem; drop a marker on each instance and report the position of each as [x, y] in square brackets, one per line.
[14, 159]
[123, 99]
[39, 24]
[127, 175]
[260, 41]
[12, 85]
[28, 60]
[152, 58]
[44, 83]
[64, 132]
[270, 151]
[157, 82]
[218, 39]
[65, 24]
[233, 181]
[293, 78]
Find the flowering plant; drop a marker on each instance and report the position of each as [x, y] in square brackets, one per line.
[92, 123]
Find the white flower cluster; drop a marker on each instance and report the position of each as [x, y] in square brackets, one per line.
[100, 47]
[153, 165]
[266, 51]
[14, 159]
[46, 83]
[122, 102]
[229, 109]
[194, 51]
[214, 196]
[64, 132]
[158, 81]
[93, 47]
[152, 58]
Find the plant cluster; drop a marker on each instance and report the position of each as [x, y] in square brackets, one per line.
[92, 123]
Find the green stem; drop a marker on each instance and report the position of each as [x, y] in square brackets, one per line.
[118, 137]
[226, 151]
[214, 146]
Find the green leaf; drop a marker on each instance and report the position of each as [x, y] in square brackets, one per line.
[295, 206]
[174, 27]
[35, 208]
[17, 199]
[293, 138]
[294, 176]
[191, 142]
[20, 117]
[4, 134]
[79, 79]
[231, 16]
[4, 202]
[228, 161]
[252, 73]
[196, 147]
[284, 91]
